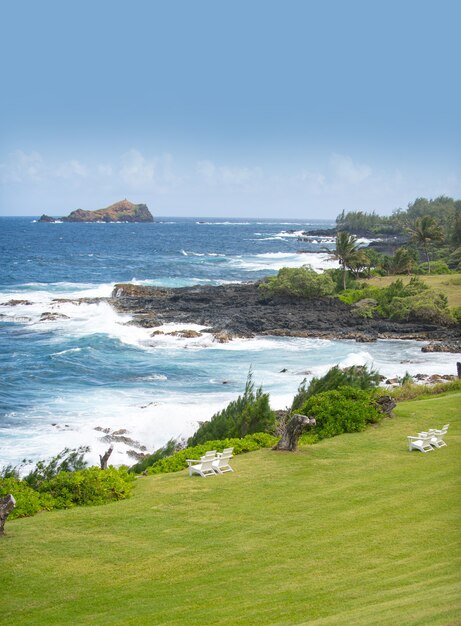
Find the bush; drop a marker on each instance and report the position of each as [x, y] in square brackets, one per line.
[167, 450]
[356, 376]
[437, 267]
[28, 501]
[178, 462]
[410, 390]
[248, 414]
[299, 282]
[344, 410]
[47, 487]
[351, 296]
[89, 486]
[422, 307]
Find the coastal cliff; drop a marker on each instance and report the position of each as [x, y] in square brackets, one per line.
[123, 211]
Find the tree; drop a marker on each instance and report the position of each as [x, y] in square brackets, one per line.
[345, 252]
[403, 261]
[424, 232]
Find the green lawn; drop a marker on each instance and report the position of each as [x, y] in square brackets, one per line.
[354, 530]
[448, 284]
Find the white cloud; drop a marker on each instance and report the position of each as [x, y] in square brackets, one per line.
[22, 167]
[136, 170]
[346, 171]
[215, 175]
[72, 169]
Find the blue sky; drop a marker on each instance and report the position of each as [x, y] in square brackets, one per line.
[229, 108]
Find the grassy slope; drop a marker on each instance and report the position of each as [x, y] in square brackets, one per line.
[448, 284]
[354, 530]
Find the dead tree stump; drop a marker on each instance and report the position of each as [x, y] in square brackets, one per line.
[7, 504]
[105, 457]
[386, 404]
[292, 431]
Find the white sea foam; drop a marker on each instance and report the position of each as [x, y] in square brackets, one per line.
[276, 260]
[154, 414]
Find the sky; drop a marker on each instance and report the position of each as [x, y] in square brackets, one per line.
[228, 107]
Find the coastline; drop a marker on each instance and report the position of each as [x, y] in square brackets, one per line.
[243, 310]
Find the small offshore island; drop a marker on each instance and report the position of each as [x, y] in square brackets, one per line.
[123, 211]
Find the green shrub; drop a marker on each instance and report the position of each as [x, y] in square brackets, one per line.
[28, 501]
[436, 267]
[88, 486]
[356, 376]
[68, 460]
[299, 282]
[410, 390]
[422, 307]
[67, 489]
[167, 450]
[178, 462]
[344, 410]
[351, 296]
[248, 414]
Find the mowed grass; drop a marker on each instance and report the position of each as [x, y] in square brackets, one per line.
[448, 284]
[353, 530]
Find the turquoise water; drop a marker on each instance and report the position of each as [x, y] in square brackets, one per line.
[86, 368]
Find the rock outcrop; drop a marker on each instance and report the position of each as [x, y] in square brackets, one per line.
[123, 211]
[244, 310]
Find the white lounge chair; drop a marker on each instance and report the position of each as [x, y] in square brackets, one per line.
[226, 451]
[435, 436]
[202, 468]
[420, 443]
[221, 463]
[439, 432]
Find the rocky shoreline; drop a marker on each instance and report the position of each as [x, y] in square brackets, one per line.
[243, 310]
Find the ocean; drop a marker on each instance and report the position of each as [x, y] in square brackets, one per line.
[70, 370]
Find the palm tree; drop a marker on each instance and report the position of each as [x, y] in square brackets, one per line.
[345, 252]
[424, 232]
[403, 261]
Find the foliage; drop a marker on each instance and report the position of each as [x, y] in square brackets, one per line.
[89, 486]
[436, 267]
[167, 450]
[68, 460]
[250, 413]
[178, 462]
[409, 390]
[426, 231]
[356, 376]
[414, 301]
[366, 223]
[50, 487]
[341, 410]
[300, 282]
[404, 261]
[346, 253]
[28, 501]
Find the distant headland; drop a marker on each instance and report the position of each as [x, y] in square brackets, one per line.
[123, 211]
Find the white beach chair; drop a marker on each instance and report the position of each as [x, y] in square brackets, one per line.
[423, 444]
[440, 431]
[226, 451]
[435, 435]
[221, 462]
[202, 468]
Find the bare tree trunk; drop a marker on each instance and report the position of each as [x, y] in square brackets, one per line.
[294, 428]
[105, 457]
[386, 404]
[7, 504]
[458, 368]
